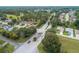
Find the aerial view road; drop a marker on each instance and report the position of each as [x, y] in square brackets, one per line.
[32, 46]
[47, 29]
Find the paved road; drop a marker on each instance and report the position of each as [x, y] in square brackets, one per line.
[32, 46]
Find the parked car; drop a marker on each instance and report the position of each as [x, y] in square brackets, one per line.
[40, 33]
[35, 38]
[28, 42]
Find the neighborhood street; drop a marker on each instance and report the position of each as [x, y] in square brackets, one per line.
[32, 46]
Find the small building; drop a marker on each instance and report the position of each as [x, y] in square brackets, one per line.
[7, 27]
[60, 30]
[61, 17]
[8, 20]
[70, 32]
[72, 15]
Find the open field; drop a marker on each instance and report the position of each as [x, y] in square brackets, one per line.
[12, 16]
[8, 48]
[69, 45]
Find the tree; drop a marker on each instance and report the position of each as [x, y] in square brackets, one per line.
[26, 32]
[77, 14]
[54, 22]
[77, 24]
[51, 43]
[13, 36]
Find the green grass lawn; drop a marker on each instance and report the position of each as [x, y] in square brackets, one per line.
[1, 42]
[69, 45]
[8, 48]
[40, 48]
[65, 33]
[12, 16]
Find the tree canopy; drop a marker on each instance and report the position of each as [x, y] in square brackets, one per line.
[51, 43]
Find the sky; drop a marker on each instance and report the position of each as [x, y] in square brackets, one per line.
[39, 3]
